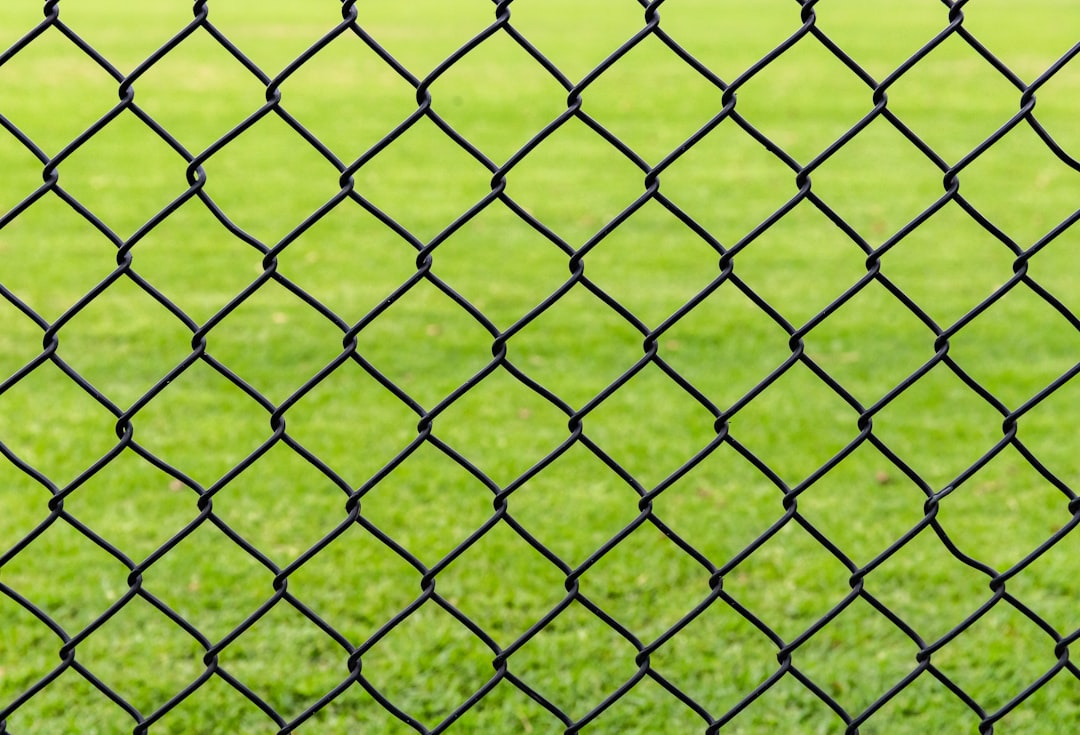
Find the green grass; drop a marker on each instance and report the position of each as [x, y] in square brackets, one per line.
[268, 181]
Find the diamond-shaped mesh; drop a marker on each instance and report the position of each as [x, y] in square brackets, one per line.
[538, 366]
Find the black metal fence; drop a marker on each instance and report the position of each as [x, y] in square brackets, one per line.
[769, 634]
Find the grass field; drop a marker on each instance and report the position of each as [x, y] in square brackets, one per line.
[200, 426]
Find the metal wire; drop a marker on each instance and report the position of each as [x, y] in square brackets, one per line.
[67, 642]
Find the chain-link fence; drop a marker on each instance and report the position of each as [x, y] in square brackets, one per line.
[679, 366]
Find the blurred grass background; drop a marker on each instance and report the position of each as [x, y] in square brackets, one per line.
[268, 180]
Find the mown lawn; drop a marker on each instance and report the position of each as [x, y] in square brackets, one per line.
[202, 474]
